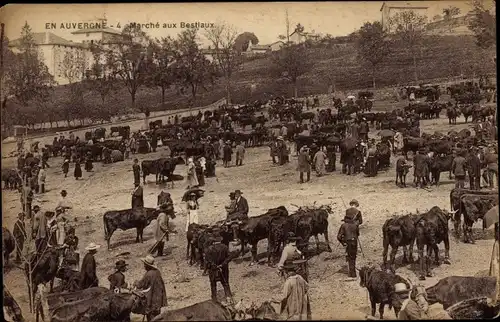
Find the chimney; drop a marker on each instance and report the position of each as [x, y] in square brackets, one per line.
[47, 37]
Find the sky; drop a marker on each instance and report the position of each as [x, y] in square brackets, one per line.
[265, 20]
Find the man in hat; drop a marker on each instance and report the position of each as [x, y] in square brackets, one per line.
[474, 169]
[273, 146]
[19, 233]
[240, 154]
[217, 258]
[420, 168]
[281, 150]
[294, 302]
[491, 162]
[227, 151]
[458, 168]
[137, 196]
[348, 236]
[156, 297]
[137, 171]
[353, 213]
[240, 205]
[232, 203]
[304, 164]
[161, 232]
[414, 306]
[40, 229]
[88, 272]
[290, 252]
[117, 279]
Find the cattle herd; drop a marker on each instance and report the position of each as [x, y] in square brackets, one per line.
[202, 136]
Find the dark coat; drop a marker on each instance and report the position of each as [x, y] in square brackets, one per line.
[227, 152]
[420, 165]
[156, 298]
[353, 215]
[138, 198]
[304, 162]
[116, 280]
[473, 165]
[78, 170]
[458, 166]
[241, 206]
[19, 232]
[137, 173]
[88, 274]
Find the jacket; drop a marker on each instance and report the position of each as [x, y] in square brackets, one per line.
[304, 162]
[241, 206]
[354, 215]
[348, 231]
[458, 166]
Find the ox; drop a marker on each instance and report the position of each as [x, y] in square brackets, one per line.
[399, 231]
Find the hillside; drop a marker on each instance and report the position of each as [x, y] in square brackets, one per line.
[439, 57]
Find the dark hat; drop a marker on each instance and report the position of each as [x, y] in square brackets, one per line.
[231, 194]
[290, 268]
[20, 215]
[354, 202]
[37, 207]
[64, 192]
[120, 264]
[238, 191]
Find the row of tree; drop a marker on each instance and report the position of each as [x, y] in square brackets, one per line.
[375, 44]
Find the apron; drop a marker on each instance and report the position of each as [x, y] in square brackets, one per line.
[192, 217]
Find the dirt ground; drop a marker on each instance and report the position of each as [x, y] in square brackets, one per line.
[265, 186]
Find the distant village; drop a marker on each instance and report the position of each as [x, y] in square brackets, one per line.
[54, 47]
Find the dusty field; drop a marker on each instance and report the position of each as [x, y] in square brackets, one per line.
[264, 186]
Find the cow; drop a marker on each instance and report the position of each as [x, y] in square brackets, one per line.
[440, 163]
[396, 232]
[467, 111]
[452, 112]
[278, 231]
[8, 245]
[456, 204]
[474, 207]
[107, 306]
[412, 144]
[163, 167]
[11, 179]
[125, 219]
[192, 236]
[431, 230]
[454, 289]
[401, 171]
[256, 228]
[308, 223]
[43, 268]
[57, 299]
[203, 311]
[380, 287]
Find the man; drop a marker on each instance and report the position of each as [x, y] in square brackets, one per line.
[273, 146]
[281, 150]
[41, 180]
[348, 237]
[217, 259]
[290, 252]
[26, 200]
[420, 169]
[414, 305]
[156, 297]
[241, 205]
[458, 167]
[19, 233]
[332, 158]
[319, 161]
[227, 151]
[154, 140]
[304, 164]
[371, 160]
[88, 274]
[117, 279]
[192, 177]
[161, 232]
[363, 130]
[137, 196]
[474, 169]
[491, 162]
[232, 203]
[353, 213]
[294, 302]
[240, 154]
[40, 229]
[355, 131]
[283, 131]
[45, 158]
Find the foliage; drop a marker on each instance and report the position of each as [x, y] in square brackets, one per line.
[192, 69]
[450, 12]
[160, 72]
[483, 25]
[127, 59]
[243, 40]
[373, 44]
[227, 59]
[101, 80]
[291, 62]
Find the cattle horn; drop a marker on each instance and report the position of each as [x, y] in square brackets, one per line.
[146, 290]
[453, 211]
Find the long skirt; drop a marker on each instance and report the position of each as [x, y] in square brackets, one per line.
[192, 217]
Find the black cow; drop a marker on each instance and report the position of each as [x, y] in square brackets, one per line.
[8, 245]
[412, 144]
[278, 232]
[107, 306]
[380, 287]
[163, 167]
[192, 236]
[401, 171]
[138, 218]
[431, 230]
[59, 298]
[256, 228]
[399, 231]
[43, 268]
[454, 289]
[11, 179]
[440, 163]
[474, 207]
[203, 311]
[308, 223]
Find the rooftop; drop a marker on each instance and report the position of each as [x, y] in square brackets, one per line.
[404, 5]
[48, 38]
[105, 30]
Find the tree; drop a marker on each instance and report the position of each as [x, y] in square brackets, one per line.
[127, 59]
[483, 25]
[436, 18]
[227, 59]
[409, 28]
[373, 45]
[192, 70]
[243, 40]
[161, 73]
[291, 62]
[450, 12]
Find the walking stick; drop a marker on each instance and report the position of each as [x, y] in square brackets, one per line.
[152, 249]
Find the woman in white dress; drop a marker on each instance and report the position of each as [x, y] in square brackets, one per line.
[192, 210]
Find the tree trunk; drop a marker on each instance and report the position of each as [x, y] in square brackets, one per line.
[415, 68]
[132, 96]
[228, 90]
[295, 91]
[163, 88]
[373, 76]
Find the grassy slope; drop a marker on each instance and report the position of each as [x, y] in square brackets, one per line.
[440, 58]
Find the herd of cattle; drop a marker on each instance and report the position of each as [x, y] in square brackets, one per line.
[194, 135]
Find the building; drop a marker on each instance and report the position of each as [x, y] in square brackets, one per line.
[390, 8]
[298, 37]
[54, 48]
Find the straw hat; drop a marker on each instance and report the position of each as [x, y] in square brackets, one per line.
[149, 260]
[92, 246]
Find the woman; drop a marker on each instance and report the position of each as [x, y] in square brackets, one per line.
[78, 169]
[192, 210]
[191, 174]
[71, 255]
[61, 227]
[199, 173]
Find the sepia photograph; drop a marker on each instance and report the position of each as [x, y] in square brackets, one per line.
[240, 161]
